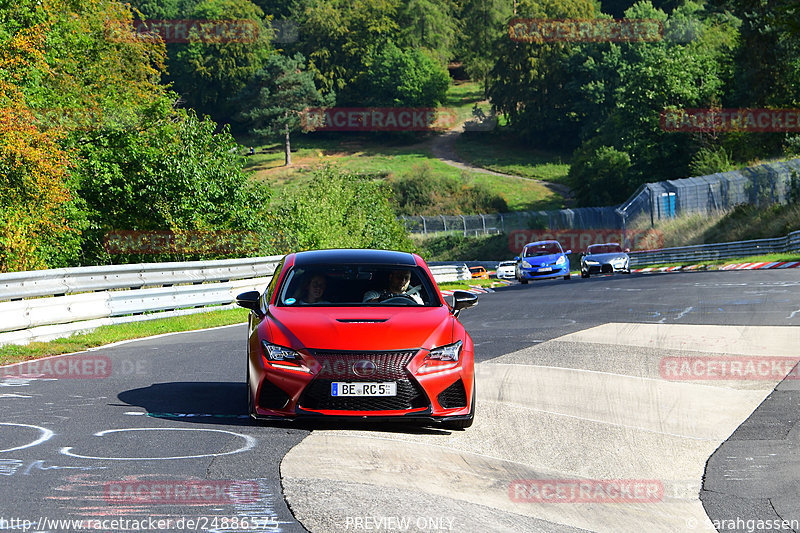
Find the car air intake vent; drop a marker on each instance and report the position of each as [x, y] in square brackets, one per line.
[271, 396]
[453, 396]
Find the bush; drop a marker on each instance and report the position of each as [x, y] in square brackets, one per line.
[710, 161]
[341, 210]
[460, 248]
[173, 172]
[599, 176]
[419, 192]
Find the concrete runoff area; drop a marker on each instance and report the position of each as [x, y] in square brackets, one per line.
[590, 412]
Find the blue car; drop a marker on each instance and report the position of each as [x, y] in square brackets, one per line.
[542, 260]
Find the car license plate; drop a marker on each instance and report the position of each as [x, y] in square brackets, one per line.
[546, 269]
[364, 389]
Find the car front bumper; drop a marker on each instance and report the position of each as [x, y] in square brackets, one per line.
[536, 273]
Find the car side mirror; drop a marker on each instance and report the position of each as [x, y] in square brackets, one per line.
[250, 300]
[516, 259]
[568, 252]
[463, 300]
[627, 250]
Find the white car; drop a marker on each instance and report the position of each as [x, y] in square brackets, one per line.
[506, 269]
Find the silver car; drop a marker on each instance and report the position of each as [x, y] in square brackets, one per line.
[506, 270]
[605, 258]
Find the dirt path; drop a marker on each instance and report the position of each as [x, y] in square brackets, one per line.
[443, 148]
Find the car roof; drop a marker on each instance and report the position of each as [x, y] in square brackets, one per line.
[354, 256]
[603, 244]
[542, 242]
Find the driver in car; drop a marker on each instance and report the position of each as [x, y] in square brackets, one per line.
[398, 287]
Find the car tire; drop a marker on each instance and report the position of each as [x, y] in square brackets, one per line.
[584, 274]
[523, 281]
[465, 422]
[568, 276]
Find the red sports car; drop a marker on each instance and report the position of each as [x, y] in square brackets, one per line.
[358, 333]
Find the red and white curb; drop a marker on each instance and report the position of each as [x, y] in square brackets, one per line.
[761, 266]
[474, 289]
[731, 266]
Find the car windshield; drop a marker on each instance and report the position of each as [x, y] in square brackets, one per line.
[605, 249]
[548, 248]
[507, 263]
[351, 285]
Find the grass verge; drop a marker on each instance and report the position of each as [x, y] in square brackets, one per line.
[494, 151]
[118, 332]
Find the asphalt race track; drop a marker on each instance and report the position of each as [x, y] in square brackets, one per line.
[634, 403]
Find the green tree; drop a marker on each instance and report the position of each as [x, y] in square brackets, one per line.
[429, 25]
[339, 35]
[483, 26]
[281, 92]
[528, 80]
[404, 78]
[207, 72]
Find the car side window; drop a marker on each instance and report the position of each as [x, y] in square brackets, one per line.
[273, 282]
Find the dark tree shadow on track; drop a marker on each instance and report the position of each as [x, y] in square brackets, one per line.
[194, 402]
[226, 404]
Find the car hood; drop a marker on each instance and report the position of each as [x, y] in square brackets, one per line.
[604, 258]
[542, 259]
[360, 328]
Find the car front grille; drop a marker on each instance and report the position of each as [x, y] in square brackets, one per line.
[351, 367]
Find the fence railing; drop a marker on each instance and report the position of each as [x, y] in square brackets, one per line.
[767, 183]
[711, 252]
[486, 224]
[43, 305]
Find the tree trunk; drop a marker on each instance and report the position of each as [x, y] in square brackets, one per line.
[288, 148]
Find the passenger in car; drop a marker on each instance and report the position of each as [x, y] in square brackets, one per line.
[398, 286]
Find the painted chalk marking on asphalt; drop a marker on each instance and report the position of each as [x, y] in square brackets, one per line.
[250, 443]
[45, 434]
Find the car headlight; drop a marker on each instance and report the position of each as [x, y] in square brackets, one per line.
[525, 264]
[561, 260]
[451, 352]
[274, 352]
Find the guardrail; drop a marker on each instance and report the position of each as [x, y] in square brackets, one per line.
[43, 305]
[710, 252]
